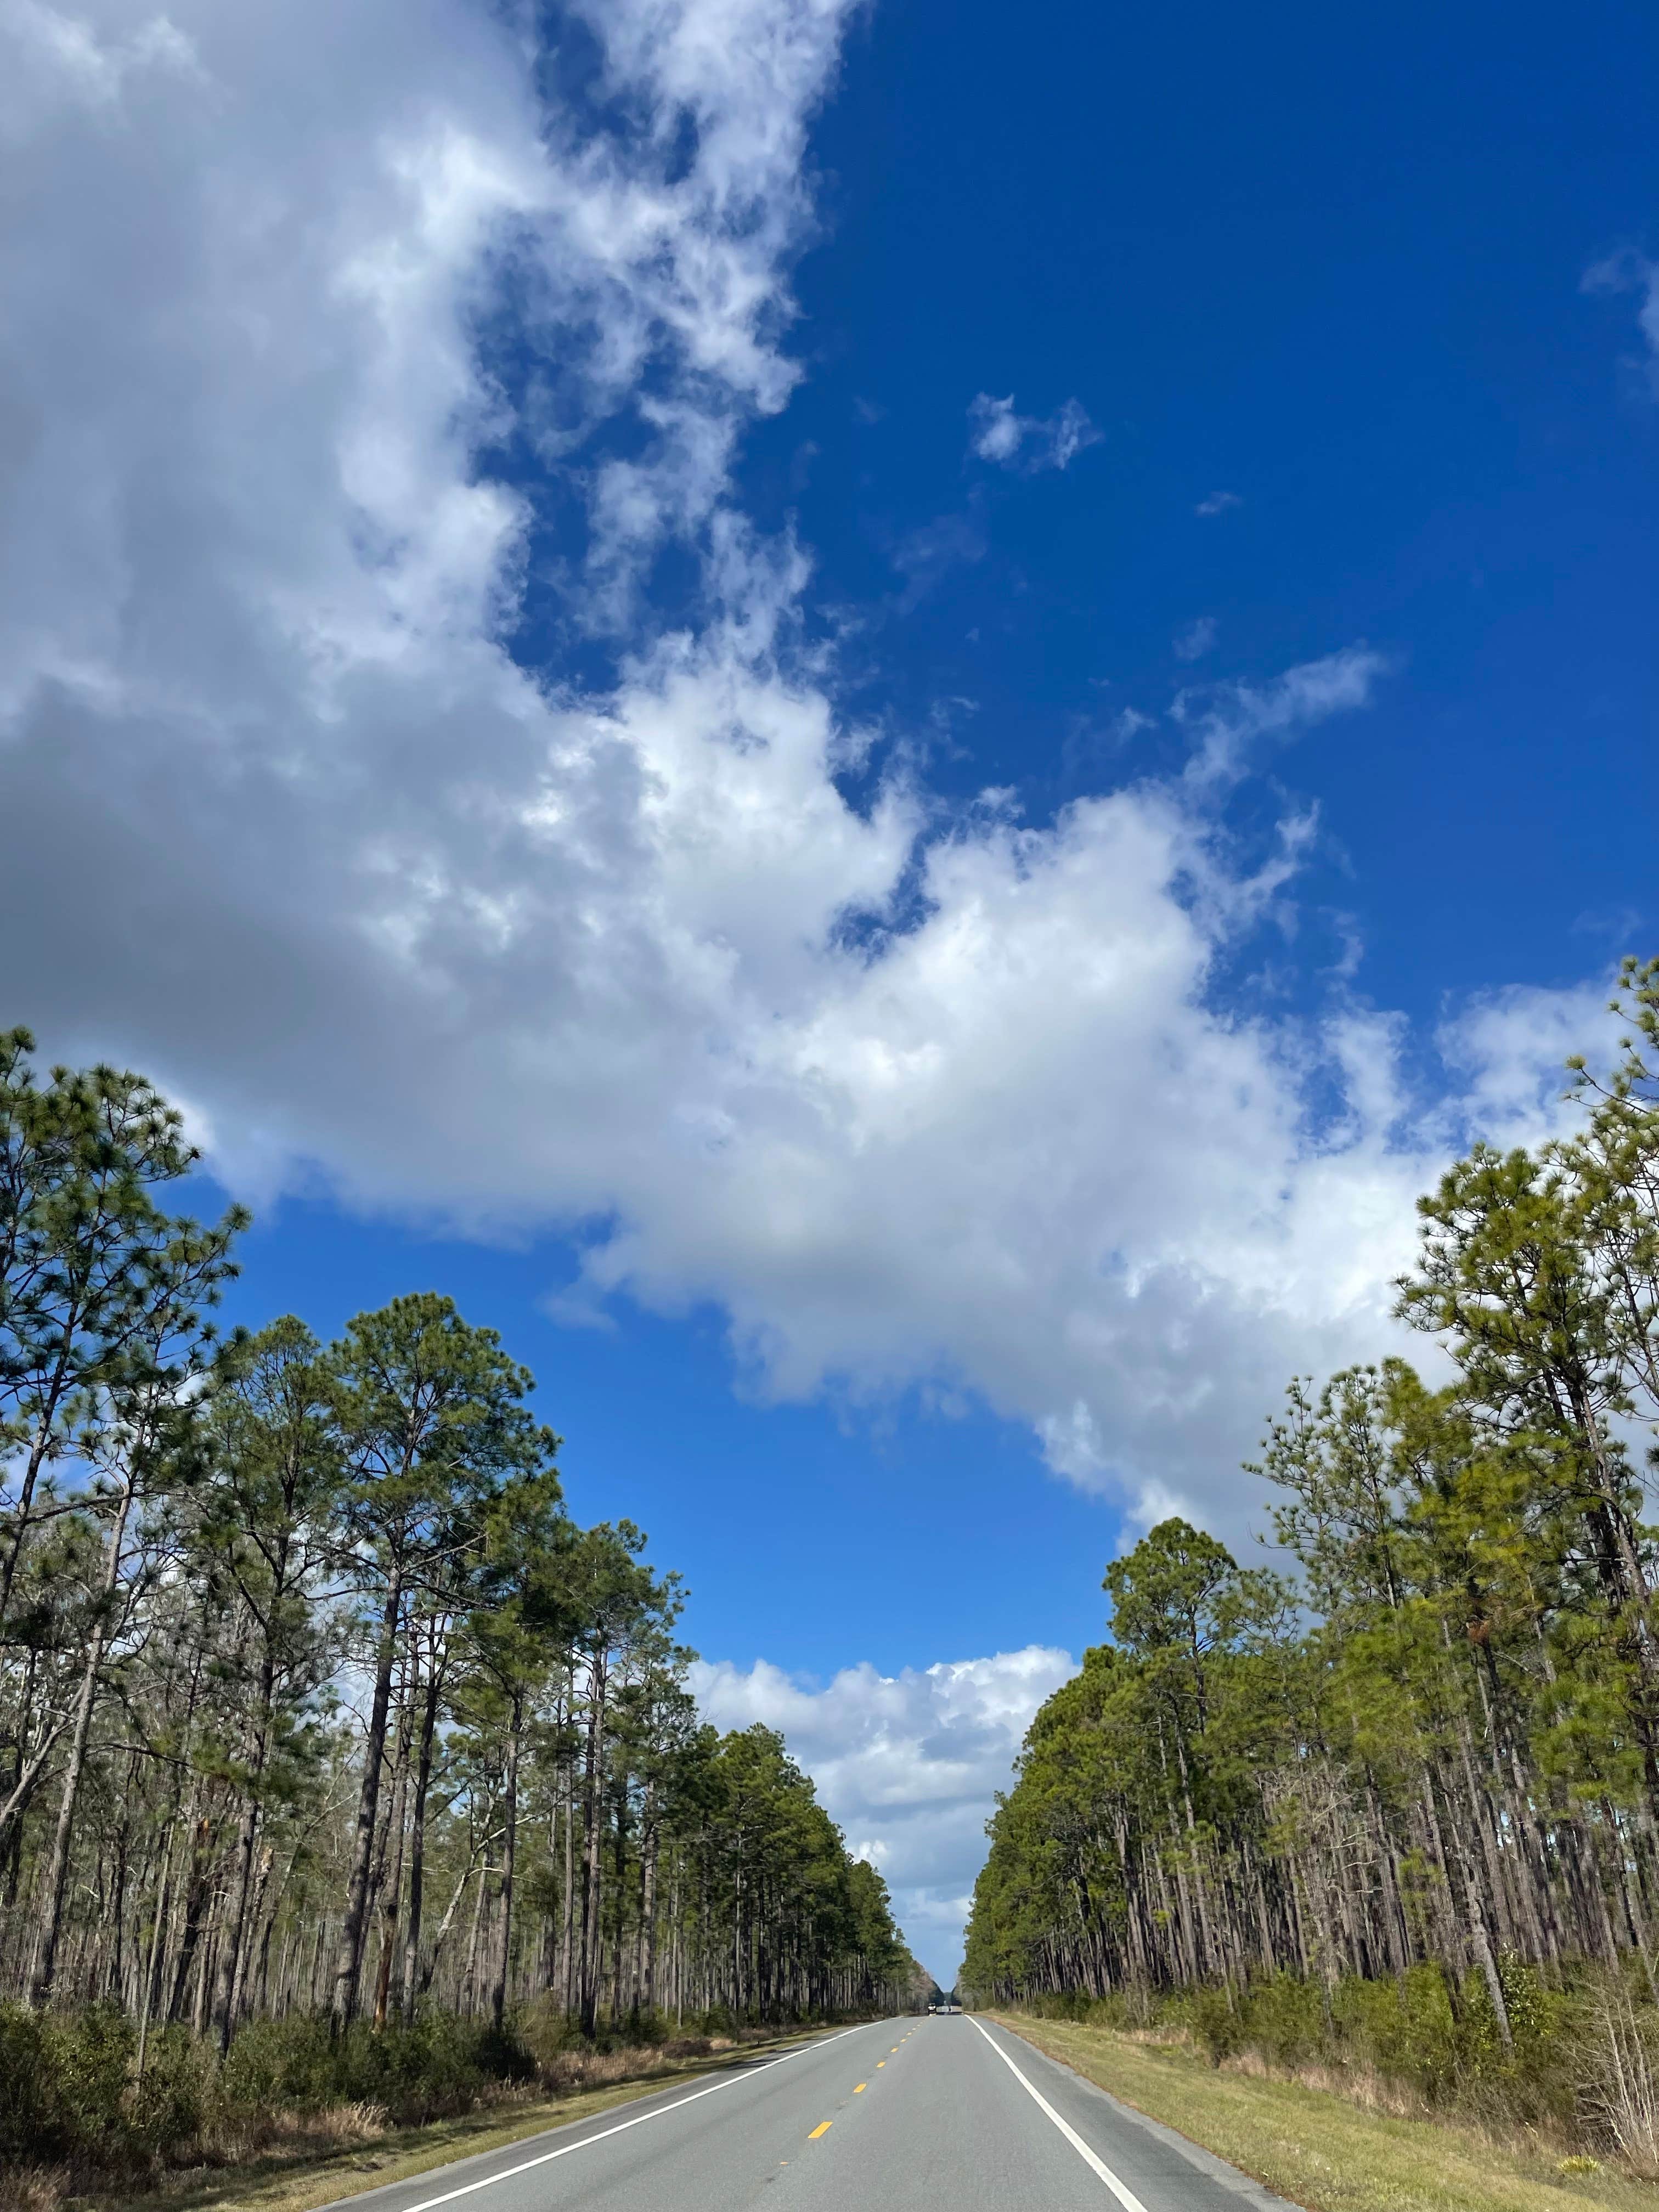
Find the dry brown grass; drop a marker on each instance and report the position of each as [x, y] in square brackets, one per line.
[33, 2188]
[1360, 2085]
[336, 2128]
[571, 2072]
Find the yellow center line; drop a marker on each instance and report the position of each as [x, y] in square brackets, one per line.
[822, 2129]
[859, 2088]
[880, 2062]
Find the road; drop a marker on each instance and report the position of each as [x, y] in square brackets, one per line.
[948, 2111]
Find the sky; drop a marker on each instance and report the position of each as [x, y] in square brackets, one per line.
[877, 722]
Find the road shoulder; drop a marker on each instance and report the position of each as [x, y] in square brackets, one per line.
[1313, 2147]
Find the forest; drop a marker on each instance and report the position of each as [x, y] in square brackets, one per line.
[1395, 1787]
[321, 1718]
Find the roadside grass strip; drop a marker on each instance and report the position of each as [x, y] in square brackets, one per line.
[1320, 2149]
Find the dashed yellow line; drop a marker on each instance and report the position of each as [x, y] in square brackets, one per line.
[822, 2129]
[880, 2062]
[859, 2087]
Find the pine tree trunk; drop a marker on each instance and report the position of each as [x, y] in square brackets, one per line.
[591, 1855]
[417, 1837]
[648, 1917]
[230, 1971]
[348, 1956]
[56, 1884]
[509, 1859]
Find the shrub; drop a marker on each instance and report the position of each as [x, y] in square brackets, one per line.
[25, 2121]
[1619, 2077]
[1218, 2023]
[177, 2097]
[63, 2086]
[438, 2066]
[279, 2064]
[1286, 2020]
[1406, 2029]
[69, 2104]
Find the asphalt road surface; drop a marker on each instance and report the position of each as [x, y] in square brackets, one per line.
[947, 2112]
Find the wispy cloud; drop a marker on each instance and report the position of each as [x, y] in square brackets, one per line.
[925, 555]
[1228, 718]
[1197, 639]
[1027, 442]
[1217, 503]
[1627, 271]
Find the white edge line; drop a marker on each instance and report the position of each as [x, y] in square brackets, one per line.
[638, 2121]
[1125, 2196]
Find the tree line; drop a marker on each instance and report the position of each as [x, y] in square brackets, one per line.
[314, 1698]
[1434, 1743]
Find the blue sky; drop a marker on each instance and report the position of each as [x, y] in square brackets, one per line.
[811, 1534]
[1329, 262]
[876, 720]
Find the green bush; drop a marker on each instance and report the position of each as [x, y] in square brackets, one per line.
[1218, 2023]
[179, 2094]
[63, 2086]
[438, 2066]
[280, 2065]
[1434, 2035]
[1286, 2020]
[548, 2034]
[26, 2115]
[1067, 2004]
[1441, 2039]
[68, 2094]
[1406, 2029]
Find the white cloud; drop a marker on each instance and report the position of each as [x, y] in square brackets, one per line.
[1218, 502]
[915, 1095]
[907, 1764]
[1508, 1050]
[1630, 271]
[1197, 639]
[1228, 718]
[1025, 441]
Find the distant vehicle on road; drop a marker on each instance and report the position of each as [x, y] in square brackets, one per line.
[945, 2004]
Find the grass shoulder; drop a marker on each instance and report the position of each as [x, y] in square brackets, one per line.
[1322, 2149]
[300, 2177]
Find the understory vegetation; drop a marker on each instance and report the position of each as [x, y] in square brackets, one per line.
[340, 1766]
[1396, 1815]
[75, 2116]
[1577, 2078]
